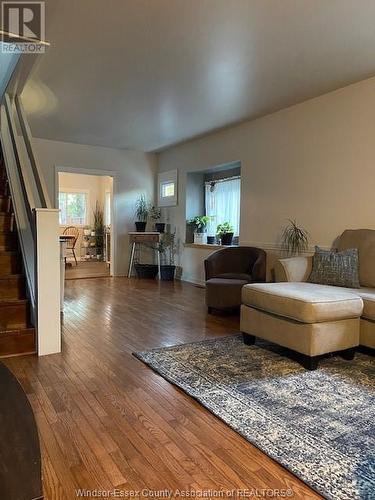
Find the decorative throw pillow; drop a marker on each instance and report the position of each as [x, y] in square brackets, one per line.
[335, 268]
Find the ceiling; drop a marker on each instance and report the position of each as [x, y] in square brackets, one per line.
[146, 74]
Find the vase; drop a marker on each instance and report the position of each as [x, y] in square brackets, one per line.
[226, 239]
[167, 273]
[200, 238]
[146, 271]
[140, 226]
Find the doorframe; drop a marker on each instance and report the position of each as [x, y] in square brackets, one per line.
[101, 173]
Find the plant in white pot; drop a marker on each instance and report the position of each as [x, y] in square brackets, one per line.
[200, 228]
[87, 231]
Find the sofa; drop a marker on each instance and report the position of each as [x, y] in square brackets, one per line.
[227, 271]
[314, 319]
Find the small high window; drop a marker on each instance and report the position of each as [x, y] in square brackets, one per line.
[167, 189]
[167, 195]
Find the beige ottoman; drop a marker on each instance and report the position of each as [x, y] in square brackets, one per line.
[310, 319]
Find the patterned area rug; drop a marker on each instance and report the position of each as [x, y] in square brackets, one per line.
[319, 425]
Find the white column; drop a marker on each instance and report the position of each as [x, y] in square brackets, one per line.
[48, 281]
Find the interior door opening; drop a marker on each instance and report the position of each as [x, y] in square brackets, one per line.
[86, 216]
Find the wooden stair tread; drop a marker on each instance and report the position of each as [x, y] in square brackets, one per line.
[17, 331]
[12, 302]
[13, 277]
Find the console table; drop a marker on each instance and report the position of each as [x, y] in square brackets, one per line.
[138, 239]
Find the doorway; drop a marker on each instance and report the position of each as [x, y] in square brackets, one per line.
[85, 201]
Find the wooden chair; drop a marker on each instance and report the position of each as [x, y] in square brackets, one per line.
[71, 243]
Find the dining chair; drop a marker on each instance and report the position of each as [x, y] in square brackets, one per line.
[71, 243]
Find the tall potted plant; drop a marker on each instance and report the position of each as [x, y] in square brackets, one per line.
[166, 248]
[225, 233]
[99, 230]
[295, 239]
[141, 213]
[200, 228]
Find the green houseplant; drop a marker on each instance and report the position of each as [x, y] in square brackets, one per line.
[141, 212]
[167, 248]
[99, 229]
[200, 227]
[294, 239]
[225, 233]
[155, 215]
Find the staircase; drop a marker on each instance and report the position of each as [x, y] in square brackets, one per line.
[17, 336]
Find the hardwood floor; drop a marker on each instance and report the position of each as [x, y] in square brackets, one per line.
[86, 269]
[108, 421]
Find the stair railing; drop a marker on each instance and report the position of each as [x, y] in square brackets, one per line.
[37, 224]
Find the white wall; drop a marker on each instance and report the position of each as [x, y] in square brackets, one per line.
[134, 174]
[314, 162]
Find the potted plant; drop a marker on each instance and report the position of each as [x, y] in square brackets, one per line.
[87, 230]
[225, 233]
[141, 213]
[200, 227]
[99, 230]
[294, 239]
[167, 245]
[155, 215]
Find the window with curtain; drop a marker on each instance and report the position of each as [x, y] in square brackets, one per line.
[222, 200]
[73, 209]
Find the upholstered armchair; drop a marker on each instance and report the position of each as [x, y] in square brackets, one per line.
[227, 271]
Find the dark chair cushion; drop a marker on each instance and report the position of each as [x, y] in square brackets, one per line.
[223, 293]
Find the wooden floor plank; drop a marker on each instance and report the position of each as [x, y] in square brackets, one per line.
[108, 421]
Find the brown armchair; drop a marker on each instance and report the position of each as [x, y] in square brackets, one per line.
[228, 270]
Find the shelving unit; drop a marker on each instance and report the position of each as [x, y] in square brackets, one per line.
[93, 251]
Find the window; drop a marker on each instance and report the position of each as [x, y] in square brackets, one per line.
[167, 189]
[73, 209]
[222, 199]
[167, 196]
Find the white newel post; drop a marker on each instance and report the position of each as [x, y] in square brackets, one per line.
[48, 281]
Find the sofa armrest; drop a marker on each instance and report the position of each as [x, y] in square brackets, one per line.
[293, 269]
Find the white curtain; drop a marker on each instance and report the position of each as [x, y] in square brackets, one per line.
[223, 204]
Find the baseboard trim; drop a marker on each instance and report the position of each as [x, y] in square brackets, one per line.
[278, 247]
[193, 281]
